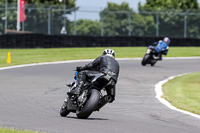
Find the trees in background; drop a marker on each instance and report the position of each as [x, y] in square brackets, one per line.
[175, 18]
[87, 27]
[118, 19]
[143, 25]
[38, 13]
[68, 3]
[122, 20]
[169, 4]
[115, 20]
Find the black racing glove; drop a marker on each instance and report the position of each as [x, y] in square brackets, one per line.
[79, 68]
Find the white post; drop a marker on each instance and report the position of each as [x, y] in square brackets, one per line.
[185, 25]
[49, 20]
[18, 15]
[74, 21]
[129, 23]
[157, 24]
[6, 15]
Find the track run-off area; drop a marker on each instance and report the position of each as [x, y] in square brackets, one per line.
[31, 97]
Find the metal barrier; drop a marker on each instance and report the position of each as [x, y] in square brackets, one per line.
[59, 41]
[56, 20]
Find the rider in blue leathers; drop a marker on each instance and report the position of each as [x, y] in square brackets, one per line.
[162, 47]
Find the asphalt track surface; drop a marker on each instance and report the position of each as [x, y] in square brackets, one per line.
[31, 97]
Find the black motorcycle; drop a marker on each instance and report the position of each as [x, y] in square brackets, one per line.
[90, 99]
[150, 57]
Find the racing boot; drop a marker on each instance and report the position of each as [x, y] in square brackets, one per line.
[77, 90]
[160, 57]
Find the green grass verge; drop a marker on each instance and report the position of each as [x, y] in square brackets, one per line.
[184, 92]
[27, 56]
[6, 130]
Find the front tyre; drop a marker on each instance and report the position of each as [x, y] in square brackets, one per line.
[89, 107]
[64, 111]
[145, 59]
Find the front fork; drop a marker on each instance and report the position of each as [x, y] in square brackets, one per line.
[82, 98]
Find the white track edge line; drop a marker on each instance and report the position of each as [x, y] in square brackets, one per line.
[158, 87]
[159, 93]
[72, 61]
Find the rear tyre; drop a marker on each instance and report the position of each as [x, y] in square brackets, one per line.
[64, 111]
[153, 62]
[90, 106]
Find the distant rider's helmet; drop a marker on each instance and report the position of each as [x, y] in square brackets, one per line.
[109, 52]
[167, 40]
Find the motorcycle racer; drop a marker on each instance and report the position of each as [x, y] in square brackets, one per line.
[161, 48]
[105, 64]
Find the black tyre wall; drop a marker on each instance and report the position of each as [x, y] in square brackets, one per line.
[91, 104]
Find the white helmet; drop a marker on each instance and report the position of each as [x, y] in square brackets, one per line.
[109, 52]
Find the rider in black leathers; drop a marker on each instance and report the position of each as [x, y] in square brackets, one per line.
[105, 64]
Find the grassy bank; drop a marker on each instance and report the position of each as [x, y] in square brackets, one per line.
[5, 130]
[184, 92]
[27, 56]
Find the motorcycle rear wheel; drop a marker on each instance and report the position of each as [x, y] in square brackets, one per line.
[153, 62]
[89, 107]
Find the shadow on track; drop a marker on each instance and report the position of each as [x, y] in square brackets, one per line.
[71, 117]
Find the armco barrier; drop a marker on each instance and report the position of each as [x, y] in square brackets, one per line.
[58, 41]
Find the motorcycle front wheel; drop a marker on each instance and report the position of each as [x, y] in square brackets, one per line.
[145, 59]
[64, 111]
[90, 105]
